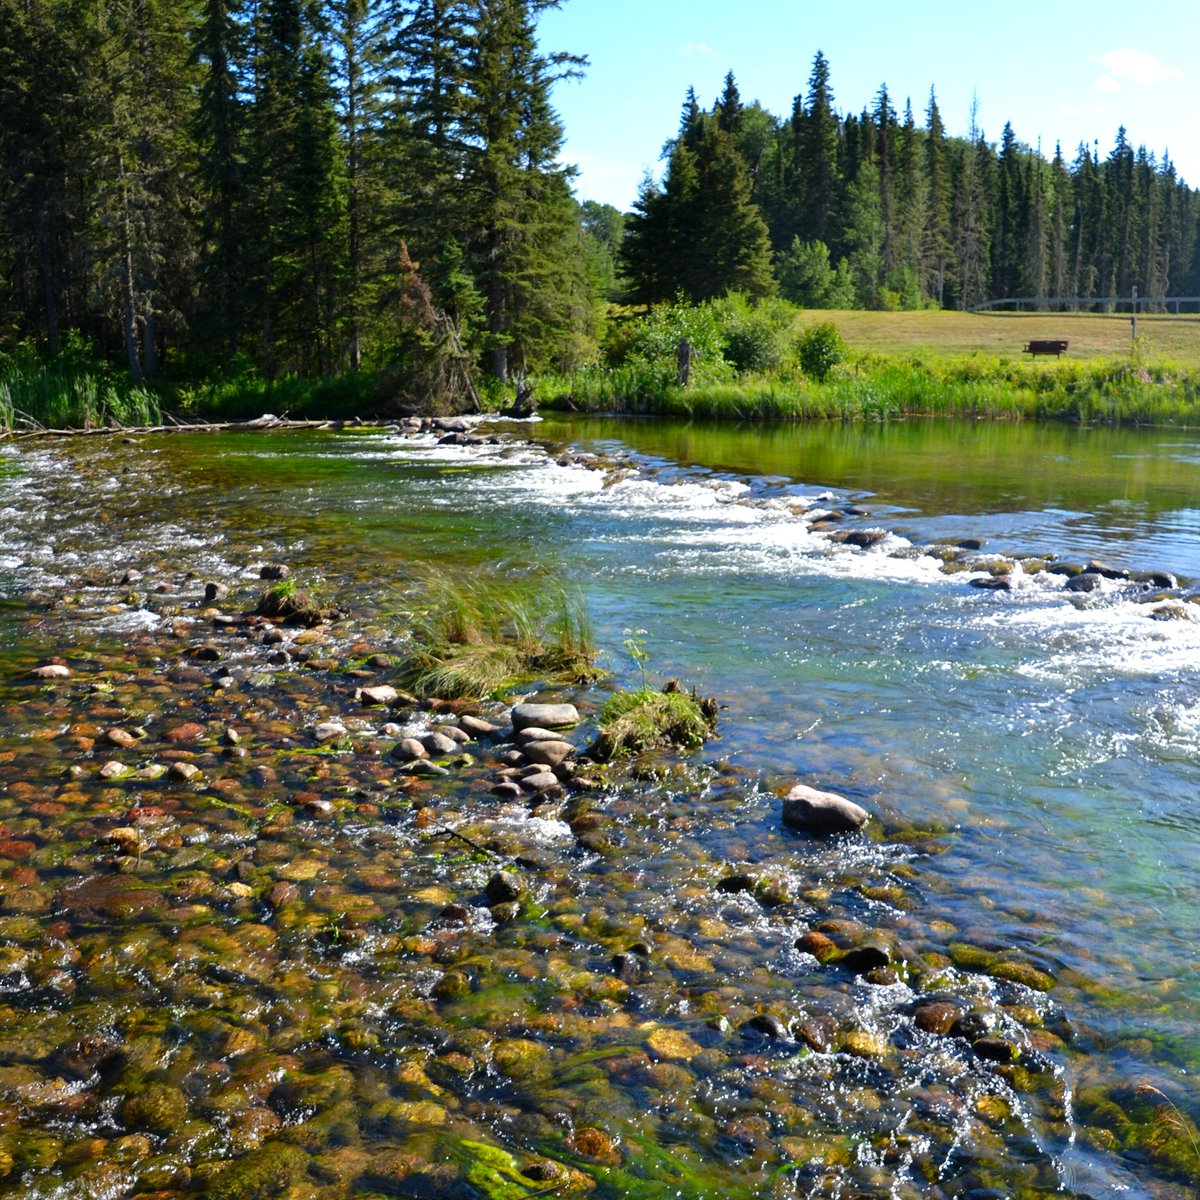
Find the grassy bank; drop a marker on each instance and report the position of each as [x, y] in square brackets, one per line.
[874, 387]
[770, 364]
[751, 364]
[72, 389]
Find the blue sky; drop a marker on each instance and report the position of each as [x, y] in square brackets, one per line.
[1069, 70]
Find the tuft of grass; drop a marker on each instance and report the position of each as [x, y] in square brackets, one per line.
[72, 389]
[645, 719]
[477, 638]
[283, 601]
[1172, 1122]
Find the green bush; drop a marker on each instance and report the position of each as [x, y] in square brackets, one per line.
[819, 349]
[753, 336]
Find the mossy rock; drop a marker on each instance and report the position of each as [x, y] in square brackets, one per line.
[263, 1174]
[497, 1175]
[32, 1149]
[522, 1060]
[646, 719]
[1016, 970]
[1145, 1122]
[313, 1093]
[158, 1108]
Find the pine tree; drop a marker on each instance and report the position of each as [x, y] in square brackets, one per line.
[220, 47]
[728, 109]
[700, 234]
[1011, 216]
[1058, 199]
[935, 233]
[817, 172]
[972, 217]
[297, 197]
[524, 237]
[904, 273]
[48, 108]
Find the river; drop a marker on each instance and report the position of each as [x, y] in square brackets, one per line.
[1031, 758]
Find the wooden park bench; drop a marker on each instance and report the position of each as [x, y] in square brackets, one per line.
[1054, 347]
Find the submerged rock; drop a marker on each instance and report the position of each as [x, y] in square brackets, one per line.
[1085, 581]
[51, 671]
[822, 812]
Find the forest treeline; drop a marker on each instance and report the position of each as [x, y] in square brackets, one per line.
[313, 188]
[304, 186]
[873, 210]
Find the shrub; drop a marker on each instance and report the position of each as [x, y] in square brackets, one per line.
[819, 349]
[753, 335]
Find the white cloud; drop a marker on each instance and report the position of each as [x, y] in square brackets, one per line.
[1068, 110]
[1138, 67]
[692, 49]
[1106, 83]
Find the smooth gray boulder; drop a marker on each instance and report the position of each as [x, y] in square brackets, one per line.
[822, 812]
[545, 716]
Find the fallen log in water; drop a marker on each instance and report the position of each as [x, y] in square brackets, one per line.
[259, 423]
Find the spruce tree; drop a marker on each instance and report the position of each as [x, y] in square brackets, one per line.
[220, 47]
[523, 235]
[935, 233]
[817, 170]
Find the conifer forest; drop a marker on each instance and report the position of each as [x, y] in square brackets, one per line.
[316, 187]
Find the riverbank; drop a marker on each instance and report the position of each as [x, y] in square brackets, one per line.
[750, 363]
[1106, 392]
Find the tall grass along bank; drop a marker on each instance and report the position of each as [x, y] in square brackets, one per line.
[1101, 391]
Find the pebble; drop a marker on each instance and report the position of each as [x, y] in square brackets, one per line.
[549, 754]
[409, 750]
[329, 731]
[438, 744]
[504, 886]
[476, 726]
[540, 782]
[190, 731]
[382, 695]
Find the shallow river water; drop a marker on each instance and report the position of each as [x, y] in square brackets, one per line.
[1031, 758]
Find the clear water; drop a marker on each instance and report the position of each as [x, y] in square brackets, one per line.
[1055, 740]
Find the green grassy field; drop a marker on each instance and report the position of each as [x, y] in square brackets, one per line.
[1003, 335]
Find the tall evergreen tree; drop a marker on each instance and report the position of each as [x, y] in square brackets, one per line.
[524, 232]
[816, 169]
[220, 47]
[700, 234]
[296, 192]
[935, 233]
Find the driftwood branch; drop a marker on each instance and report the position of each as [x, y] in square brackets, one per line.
[259, 423]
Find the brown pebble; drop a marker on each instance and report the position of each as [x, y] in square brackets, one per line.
[818, 945]
[189, 731]
[936, 1017]
[281, 894]
[51, 671]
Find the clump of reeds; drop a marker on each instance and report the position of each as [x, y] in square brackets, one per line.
[481, 637]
